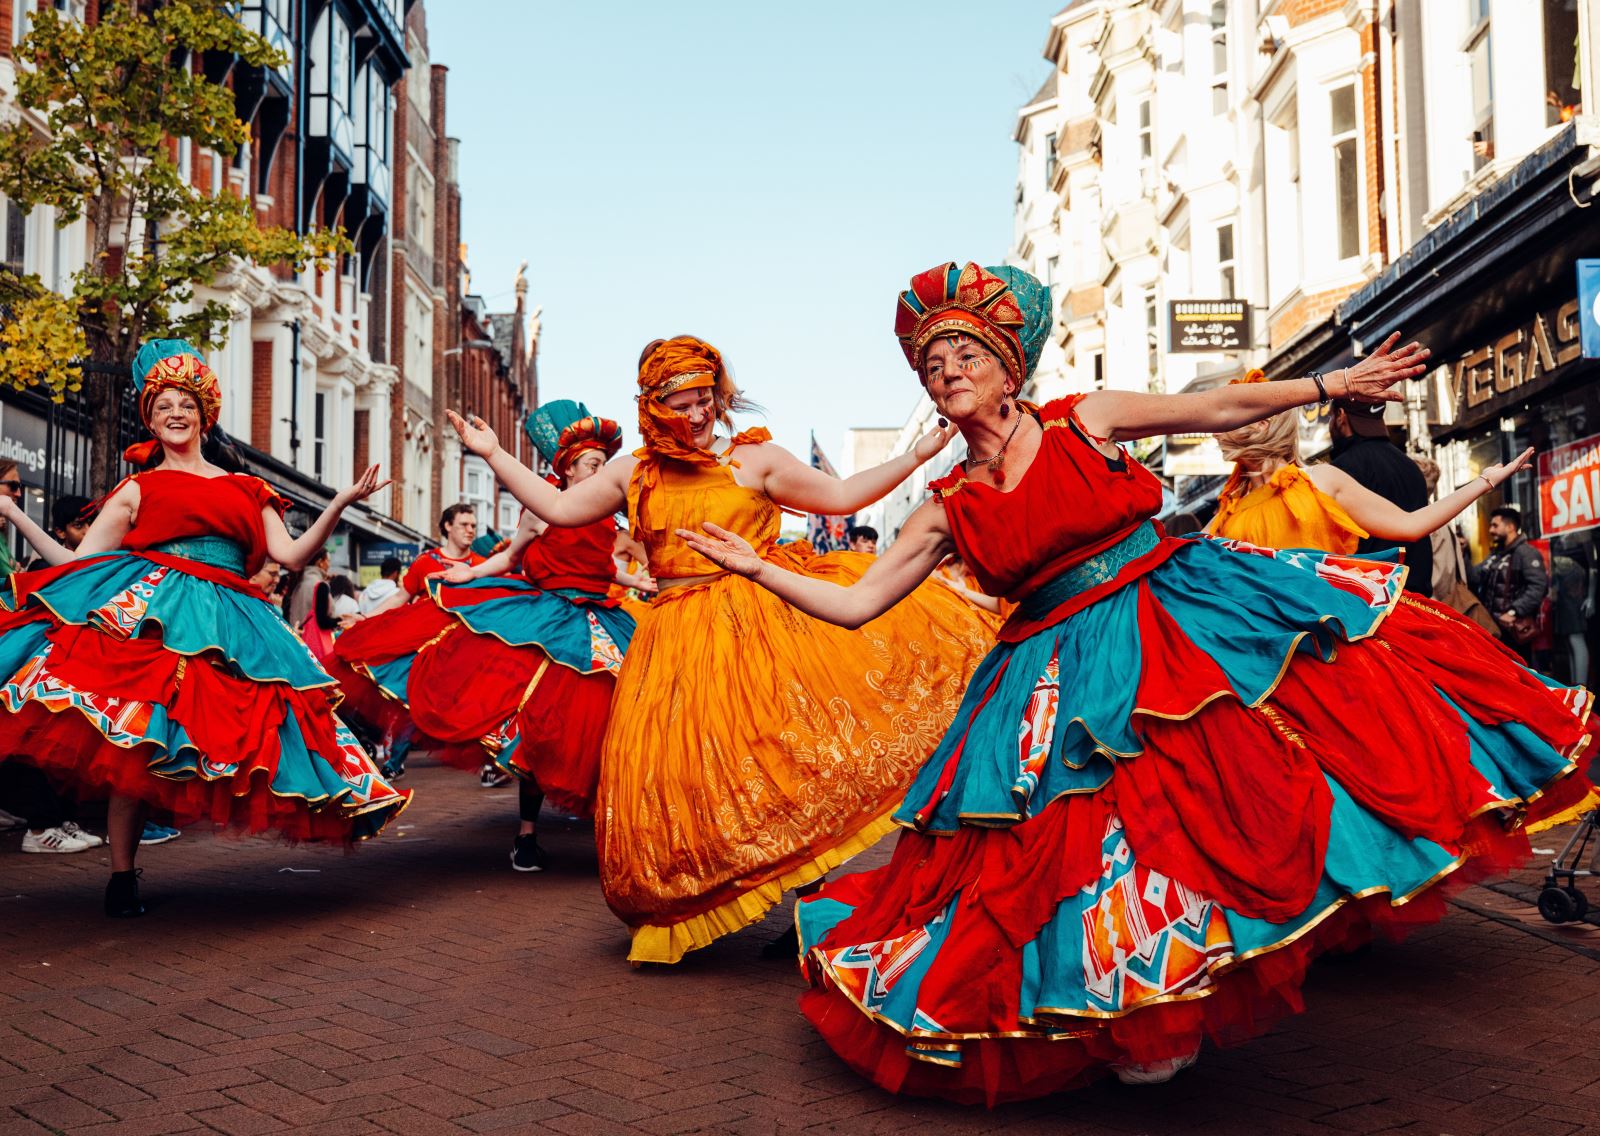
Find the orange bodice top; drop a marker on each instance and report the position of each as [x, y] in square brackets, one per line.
[679, 495]
[1288, 511]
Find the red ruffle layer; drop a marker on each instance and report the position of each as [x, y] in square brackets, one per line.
[1243, 1003]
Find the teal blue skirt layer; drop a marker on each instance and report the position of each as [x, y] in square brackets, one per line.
[580, 630]
[1148, 817]
[126, 675]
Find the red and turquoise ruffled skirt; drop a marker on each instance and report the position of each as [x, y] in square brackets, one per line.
[143, 675]
[1148, 817]
[528, 673]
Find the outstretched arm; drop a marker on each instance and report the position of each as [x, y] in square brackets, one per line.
[789, 481]
[294, 553]
[1125, 415]
[112, 524]
[922, 543]
[528, 527]
[583, 504]
[43, 543]
[1387, 521]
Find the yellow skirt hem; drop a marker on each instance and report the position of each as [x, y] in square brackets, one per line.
[668, 943]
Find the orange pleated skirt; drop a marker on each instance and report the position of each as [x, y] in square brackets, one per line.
[752, 748]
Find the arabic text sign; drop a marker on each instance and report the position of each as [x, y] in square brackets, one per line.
[1208, 325]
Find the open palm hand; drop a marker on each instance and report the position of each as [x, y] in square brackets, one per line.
[725, 549]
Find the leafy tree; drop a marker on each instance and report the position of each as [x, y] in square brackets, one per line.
[113, 96]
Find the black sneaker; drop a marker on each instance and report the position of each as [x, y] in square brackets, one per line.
[527, 856]
[122, 895]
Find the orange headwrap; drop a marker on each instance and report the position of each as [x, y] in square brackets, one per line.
[667, 366]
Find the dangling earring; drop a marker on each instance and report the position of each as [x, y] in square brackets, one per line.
[1005, 409]
[942, 422]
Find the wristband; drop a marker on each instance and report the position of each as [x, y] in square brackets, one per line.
[1322, 390]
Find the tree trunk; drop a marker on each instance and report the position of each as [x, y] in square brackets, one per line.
[102, 403]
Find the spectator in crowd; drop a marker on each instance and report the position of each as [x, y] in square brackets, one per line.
[342, 604]
[1449, 561]
[304, 595]
[70, 518]
[862, 538]
[268, 577]
[1361, 448]
[386, 585]
[1182, 524]
[10, 486]
[1512, 581]
[25, 792]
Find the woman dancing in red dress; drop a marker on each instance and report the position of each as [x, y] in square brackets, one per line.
[1187, 766]
[150, 669]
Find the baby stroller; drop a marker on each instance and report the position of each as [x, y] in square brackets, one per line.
[1561, 901]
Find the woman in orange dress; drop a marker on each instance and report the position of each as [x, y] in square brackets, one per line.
[1273, 501]
[757, 748]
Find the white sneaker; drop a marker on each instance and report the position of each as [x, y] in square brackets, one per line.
[7, 821]
[52, 840]
[1155, 1073]
[90, 840]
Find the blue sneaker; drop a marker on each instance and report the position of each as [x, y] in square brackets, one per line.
[156, 834]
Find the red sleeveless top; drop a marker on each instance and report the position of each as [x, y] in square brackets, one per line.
[1072, 504]
[578, 558]
[177, 505]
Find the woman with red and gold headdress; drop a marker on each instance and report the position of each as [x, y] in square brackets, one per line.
[146, 666]
[528, 665]
[1160, 797]
[759, 748]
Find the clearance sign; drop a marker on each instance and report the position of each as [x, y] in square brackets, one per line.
[1569, 487]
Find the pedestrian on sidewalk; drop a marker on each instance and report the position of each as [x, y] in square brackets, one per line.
[1512, 582]
[1363, 449]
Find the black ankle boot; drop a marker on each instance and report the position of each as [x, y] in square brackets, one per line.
[122, 895]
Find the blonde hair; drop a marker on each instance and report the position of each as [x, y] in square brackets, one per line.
[1272, 439]
[1430, 472]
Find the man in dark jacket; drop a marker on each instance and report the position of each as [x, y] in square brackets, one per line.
[1512, 580]
[1361, 448]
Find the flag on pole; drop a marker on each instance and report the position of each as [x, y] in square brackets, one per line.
[825, 533]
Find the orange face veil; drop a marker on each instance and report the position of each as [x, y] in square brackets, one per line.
[666, 367]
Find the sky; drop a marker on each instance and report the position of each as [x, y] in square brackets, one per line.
[765, 176]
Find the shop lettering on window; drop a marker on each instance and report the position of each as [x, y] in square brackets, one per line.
[1527, 356]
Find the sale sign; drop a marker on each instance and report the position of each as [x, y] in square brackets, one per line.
[1569, 487]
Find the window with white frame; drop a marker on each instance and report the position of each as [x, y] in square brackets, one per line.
[1097, 369]
[1147, 140]
[1346, 171]
[16, 247]
[1052, 269]
[319, 435]
[1049, 157]
[1479, 49]
[1219, 57]
[1562, 81]
[186, 160]
[1152, 334]
[1225, 260]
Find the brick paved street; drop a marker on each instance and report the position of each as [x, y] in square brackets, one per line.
[420, 986]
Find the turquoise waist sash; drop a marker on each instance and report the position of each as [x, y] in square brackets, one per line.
[1098, 569]
[216, 551]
